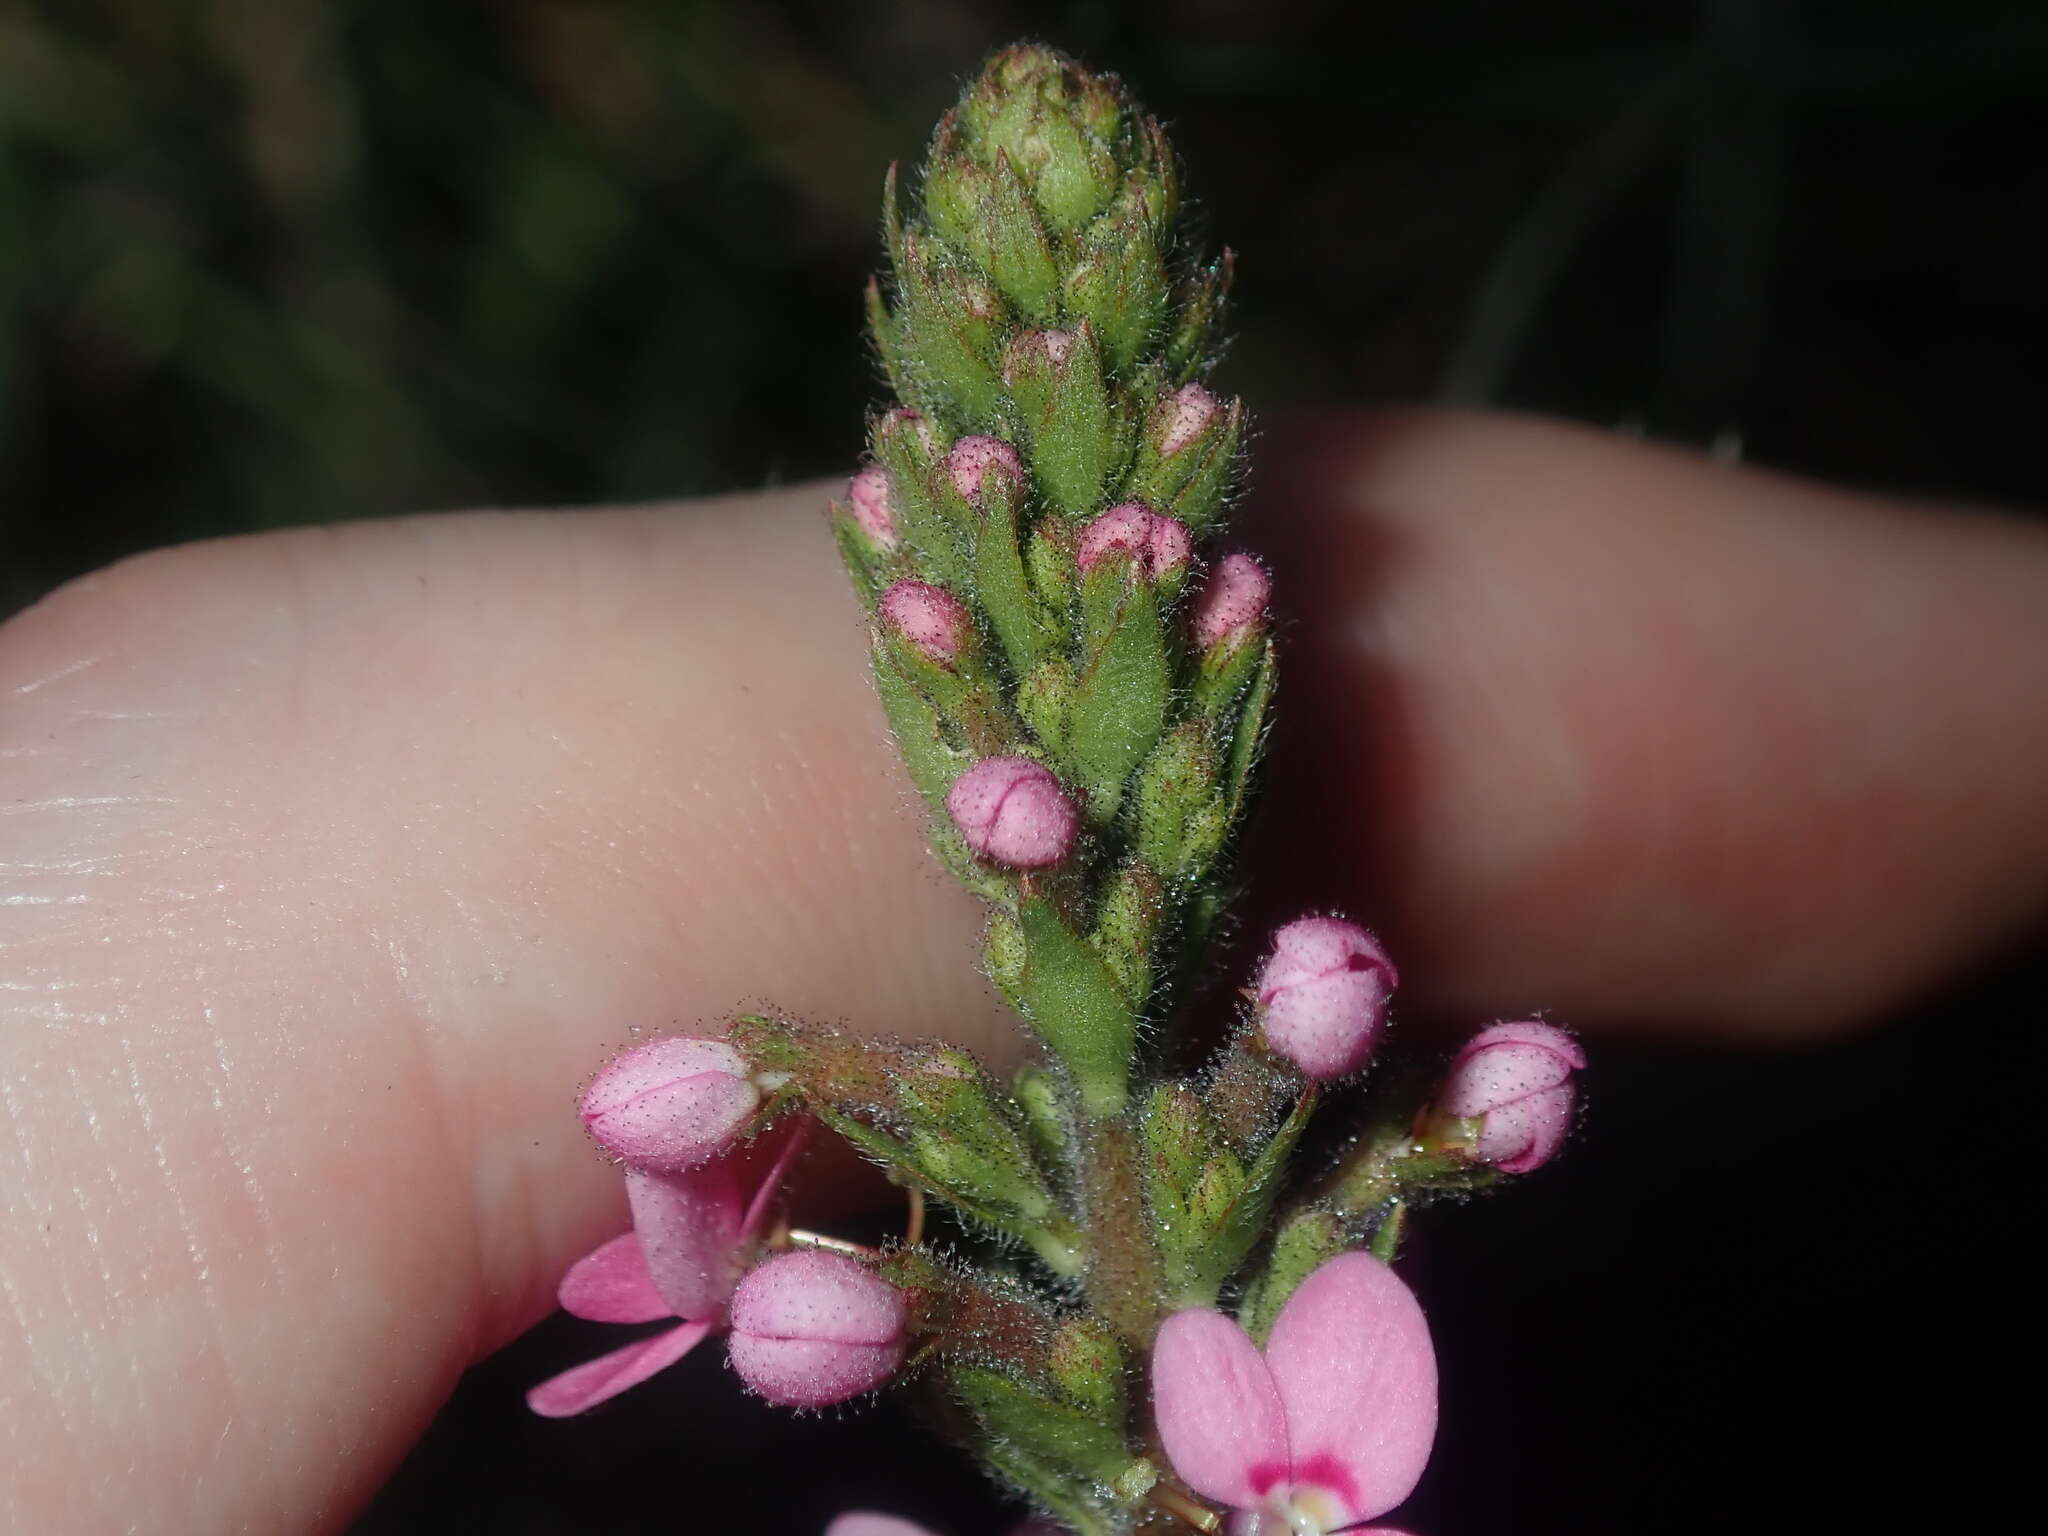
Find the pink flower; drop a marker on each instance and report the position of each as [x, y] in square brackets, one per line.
[930, 618]
[811, 1328]
[671, 1104]
[1192, 411]
[863, 1522]
[969, 460]
[681, 1260]
[1158, 546]
[1331, 1426]
[868, 494]
[1517, 1080]
[1323, 995]
[1233, 602]
[1012, 810]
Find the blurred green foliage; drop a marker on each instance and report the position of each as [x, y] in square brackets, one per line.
[279, 261]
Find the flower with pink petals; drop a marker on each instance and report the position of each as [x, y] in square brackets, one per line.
[1013, 811]
[671, 1104]
[811, 1328]
[1323, 995]
[681, 1260]
[1232, 604]
[968, 463]
[1331, 1425]
[867, 493]
[1158, 546]
[1516, 1079]
[930, 618]
[861, 1522]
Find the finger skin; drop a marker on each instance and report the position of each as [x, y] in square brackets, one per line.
[1646, 740]
[332, 862]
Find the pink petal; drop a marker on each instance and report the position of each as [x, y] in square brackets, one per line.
[1351, 1358]
[1499, 1074]
[1535, 1032]
[771, 1182]
[587, 1385]
[611, 1285]
[862, 1523]
[1525, 1135]
[688, 1225]
[1218, 1412]
[811, 1373]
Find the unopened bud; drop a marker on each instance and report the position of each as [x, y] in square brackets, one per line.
[1191, 412]
[1516, 1080]
[1232, 604]
[867, 493]
[812, 1328]
[903, 422]
[969, 463]
[1323, 995]
[929, 618]
[1012, 810]
[1158, 546]
[671, 1104]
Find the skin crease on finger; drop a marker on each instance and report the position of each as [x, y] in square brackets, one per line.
[331, 863]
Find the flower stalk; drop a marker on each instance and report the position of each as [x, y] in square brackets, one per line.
[1171, 1301]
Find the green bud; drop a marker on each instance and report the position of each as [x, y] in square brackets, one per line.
[1043, 699]
[935, 529]
[1248, 736]
[967, 1138]
[950, 330]
[920, 730]
[1075, 1005]
[1119, 285]
[956, 189]
[1076, 441]
[1180, 804]
[1178, 1139]
[1046, 1122]
[1088, 1364]
[1198, 315]
[1042, 114]
[1013, 608]
[1125, 688]
[1050, 559]
[1049, 1430]
[1187, 456]
[1127, 926]
[1006, 954]
[1031, 371]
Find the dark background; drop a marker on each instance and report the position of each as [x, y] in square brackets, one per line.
[273, 261]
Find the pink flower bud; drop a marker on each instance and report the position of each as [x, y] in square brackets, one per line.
[811, 1328]
[1195, 410]
[904, 419]
[1517, 1080]
[868, 494]
[1012, 810]
[1232, 603]
[1323, 995]
[969, 461]
[930, 618]
[1158, 545]
[671, 1104]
